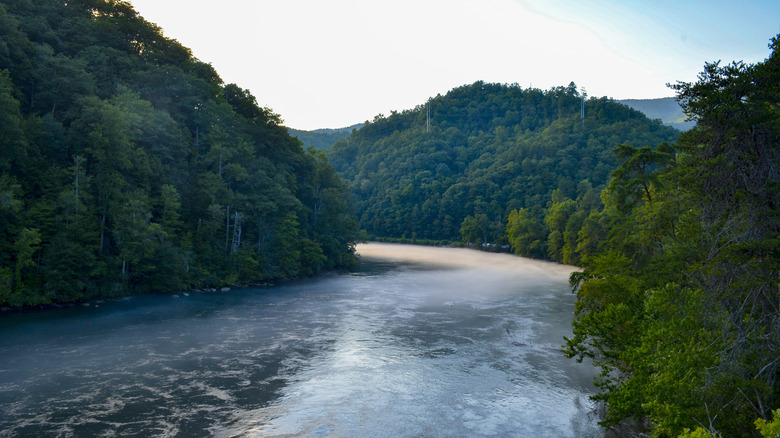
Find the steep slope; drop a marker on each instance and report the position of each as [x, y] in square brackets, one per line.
[677, 302]
[127, 166]
[484, 149]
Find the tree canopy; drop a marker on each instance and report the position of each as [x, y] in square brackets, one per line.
[678, 301]
[485, 150]
[127, 166]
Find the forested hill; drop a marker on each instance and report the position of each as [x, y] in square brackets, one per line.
[127, 165]
[481, 151]
[667, 109]
[323, 139]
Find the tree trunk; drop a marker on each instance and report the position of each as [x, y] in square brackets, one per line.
[102, 231]
[227, 228]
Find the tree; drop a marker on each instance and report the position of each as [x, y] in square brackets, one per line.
[13, 143]
[556, 220]
[679, 305]
[170, 204]
[26, 246]
[526, 234]
[10, 220]
[127, 166]
[634, 180]
[474, 229]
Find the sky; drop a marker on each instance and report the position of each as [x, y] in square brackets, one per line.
[334, 63]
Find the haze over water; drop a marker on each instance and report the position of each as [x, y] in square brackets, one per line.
[418, 341]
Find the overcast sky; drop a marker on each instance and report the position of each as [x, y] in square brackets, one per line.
[333, 63]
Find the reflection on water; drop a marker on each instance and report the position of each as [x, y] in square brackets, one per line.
[416, 342]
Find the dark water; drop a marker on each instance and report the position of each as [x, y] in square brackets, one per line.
[417, 342]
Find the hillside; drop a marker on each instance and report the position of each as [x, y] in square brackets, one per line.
[322, 139]
[677, 300]
[128, 166]
[487, 149]
[666, 109]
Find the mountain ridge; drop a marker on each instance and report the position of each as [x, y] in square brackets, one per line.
[665, 109]
[484, 149]
[323, 138]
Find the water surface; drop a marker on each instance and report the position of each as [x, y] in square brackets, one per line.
[417, 341]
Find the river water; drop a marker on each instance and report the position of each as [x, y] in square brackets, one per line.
[417, 341]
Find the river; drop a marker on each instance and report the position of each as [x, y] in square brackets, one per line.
[417, 341]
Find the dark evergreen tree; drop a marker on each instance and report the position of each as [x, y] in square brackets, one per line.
[678, 302]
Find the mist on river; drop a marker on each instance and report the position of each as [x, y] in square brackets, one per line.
[497, 265]
[458, 343]
[416, 341]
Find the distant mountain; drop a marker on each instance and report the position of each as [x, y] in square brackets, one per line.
[665, 109]
[484, 150]
[322, 139]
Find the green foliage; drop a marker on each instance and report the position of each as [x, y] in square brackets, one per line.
[474, 229]
[127, 166]
[489, 149]
[557, 219]
[769, 429]
[526, 234]
[677, 302]
[13, 143]
[699, 432]
[634, 180]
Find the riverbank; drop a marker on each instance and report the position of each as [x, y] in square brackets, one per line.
[99, 300]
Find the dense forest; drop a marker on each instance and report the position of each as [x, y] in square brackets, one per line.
[128, 166]
[679, 299]
[666, 109]
[461, 164]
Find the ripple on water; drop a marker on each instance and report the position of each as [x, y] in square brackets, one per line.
[423, 348]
